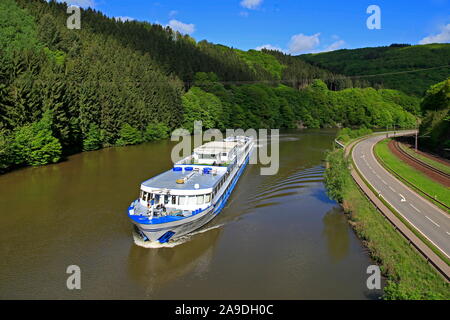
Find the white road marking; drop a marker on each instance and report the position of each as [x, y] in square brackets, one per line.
[357, 163]
[432, 221]
[392, 189]
[448, 233]
[414, 207]
[384, 181]
[403, 198]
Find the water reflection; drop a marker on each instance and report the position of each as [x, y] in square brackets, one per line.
[335, 230]
[155, 268]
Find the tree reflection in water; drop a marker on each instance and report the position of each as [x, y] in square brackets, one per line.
[336, 232]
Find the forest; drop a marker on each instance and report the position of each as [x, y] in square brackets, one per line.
[435, 127]
[115, 83]
[396, 63]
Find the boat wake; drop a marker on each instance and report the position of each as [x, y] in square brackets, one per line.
[173, 243]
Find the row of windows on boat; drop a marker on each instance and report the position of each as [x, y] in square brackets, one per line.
[175, 200]
[224, 178]
[184, 200]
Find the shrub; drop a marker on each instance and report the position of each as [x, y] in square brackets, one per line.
[35, 145]
[156, 131]
[335, 175]
[128, 136]
[347, 134]
[92, 141]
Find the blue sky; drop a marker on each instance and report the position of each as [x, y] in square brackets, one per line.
[294, 26]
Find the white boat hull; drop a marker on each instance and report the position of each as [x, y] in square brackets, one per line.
[152, 230]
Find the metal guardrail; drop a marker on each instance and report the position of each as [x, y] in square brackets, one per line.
[406, 230]
[339, 143]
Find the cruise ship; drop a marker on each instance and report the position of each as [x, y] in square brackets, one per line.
[192, 193]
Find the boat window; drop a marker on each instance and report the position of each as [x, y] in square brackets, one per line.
[200, 199]
[174, 199]
[166, 199]
[192, 200]
[157, 196]
[207, 197]
[207, 156]
[145, 196]
[182, 200]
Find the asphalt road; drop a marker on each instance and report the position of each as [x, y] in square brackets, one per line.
[428, 219]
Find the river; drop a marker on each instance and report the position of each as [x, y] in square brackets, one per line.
[279, 237]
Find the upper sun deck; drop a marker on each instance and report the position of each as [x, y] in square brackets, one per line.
[216, 147]
[204, 169]
[193, 176]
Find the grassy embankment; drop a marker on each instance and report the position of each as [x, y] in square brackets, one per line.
[417, 179]
[408, 275]
[347, 135]
[435, 164]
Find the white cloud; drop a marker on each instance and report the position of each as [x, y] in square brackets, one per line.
[301, 43]
[173, 13]
[269, 47]
[181, 27]
[335, 45]
[251, 4]
[442, 37]
[123, 19]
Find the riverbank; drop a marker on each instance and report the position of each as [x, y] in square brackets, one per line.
[408, 275]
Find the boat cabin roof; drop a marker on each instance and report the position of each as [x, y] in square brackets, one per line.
[215, 147]
[168, 179]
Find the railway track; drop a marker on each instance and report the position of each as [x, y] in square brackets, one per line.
[419, 162]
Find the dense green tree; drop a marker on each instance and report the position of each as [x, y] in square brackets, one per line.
[35, 145]
[129, 136]
[92, 140]
[5, 150]
[429, 64]
[156, 131]
[116, 82]
[201, 106]
[435, 127]
[335, 175]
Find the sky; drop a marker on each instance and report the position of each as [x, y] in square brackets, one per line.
[292, 26]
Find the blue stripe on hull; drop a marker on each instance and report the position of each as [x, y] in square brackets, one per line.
[226, 195]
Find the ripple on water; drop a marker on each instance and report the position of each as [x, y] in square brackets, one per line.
[285, 185]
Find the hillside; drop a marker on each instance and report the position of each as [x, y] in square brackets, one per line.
[116, 83]
[392, 59]
[435, 127]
